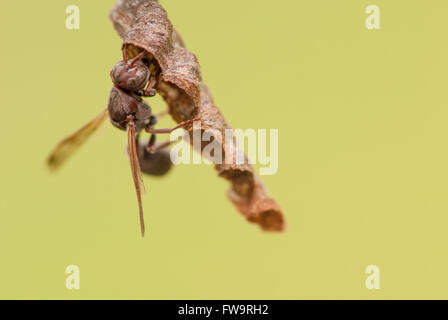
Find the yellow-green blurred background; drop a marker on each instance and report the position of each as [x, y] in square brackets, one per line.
[363, 156]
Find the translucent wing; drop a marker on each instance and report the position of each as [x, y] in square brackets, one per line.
[70, 144]
[136, 172]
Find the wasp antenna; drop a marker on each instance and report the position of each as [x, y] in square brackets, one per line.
[139, 57]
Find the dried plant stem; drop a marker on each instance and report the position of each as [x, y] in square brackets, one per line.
[143, 24]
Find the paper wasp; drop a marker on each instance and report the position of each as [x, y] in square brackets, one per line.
[127, 111]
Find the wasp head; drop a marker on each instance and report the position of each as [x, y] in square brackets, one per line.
[130, 77]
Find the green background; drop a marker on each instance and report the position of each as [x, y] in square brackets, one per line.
[363, 160]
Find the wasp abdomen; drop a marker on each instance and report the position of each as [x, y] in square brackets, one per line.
[155, 164]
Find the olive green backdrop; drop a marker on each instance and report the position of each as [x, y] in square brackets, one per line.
[363, 158]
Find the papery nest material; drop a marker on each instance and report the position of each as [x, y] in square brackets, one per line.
[143, 24]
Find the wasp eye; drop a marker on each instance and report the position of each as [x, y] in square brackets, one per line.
[131, 83]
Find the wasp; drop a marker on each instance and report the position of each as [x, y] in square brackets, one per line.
[132, 80]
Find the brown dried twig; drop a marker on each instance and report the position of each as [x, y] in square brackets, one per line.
[143, 24]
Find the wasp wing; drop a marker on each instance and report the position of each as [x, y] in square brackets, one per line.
[136, 172]
[70, 144]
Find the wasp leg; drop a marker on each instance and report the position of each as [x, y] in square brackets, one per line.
[161, 146]
[151, 142]
[149, 91]
[180, 125]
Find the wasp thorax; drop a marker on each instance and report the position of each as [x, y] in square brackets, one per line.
[131, 78]
[123, 105]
